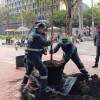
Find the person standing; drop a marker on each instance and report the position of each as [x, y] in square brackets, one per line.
[36, 43]
[17, 45]
[97, 44]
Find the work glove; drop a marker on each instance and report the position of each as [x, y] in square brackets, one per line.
[51, 52]
[44, 51]
[86, 74]
[53, 38]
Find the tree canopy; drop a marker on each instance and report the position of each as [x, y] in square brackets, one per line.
[59, 18]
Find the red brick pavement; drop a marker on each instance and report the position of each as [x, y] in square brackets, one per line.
[10, 78]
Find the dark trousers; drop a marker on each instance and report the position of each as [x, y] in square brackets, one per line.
[97, 56]
[76, 59]
[34, 60]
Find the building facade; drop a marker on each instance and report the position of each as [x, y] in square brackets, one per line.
[17, 6]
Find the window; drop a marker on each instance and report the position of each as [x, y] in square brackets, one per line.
[12, 5]
[17, 9]
[19, 3]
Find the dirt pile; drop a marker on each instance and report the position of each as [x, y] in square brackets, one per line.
[82, 90]
[85, 89]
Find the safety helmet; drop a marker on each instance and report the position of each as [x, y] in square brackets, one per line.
[40, 25]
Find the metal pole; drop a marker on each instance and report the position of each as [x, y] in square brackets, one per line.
[22, 23]
[52, 31]
[80, 17]
[92, 4]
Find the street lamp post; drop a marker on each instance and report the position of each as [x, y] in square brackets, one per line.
[80, 17]
[92, 4]
[22, 23]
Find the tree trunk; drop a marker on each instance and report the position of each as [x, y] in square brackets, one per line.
[45, 4]
[69, 25]
[69, 17]
[70, 9]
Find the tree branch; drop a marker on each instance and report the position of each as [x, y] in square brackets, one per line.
[74, 4]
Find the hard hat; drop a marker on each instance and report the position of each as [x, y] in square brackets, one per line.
[40, 25]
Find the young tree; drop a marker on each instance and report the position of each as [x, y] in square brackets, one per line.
[70, 9]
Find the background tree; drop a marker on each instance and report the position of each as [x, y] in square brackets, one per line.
[87, 17]
[75, 21]
[59, 18]
[71, 6]
[28, 17]
[5, 16]
[97, 14]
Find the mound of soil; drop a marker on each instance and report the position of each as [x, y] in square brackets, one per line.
[83, 89]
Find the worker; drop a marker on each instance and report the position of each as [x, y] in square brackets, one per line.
[36, 42]
[70, 52]
[97, 44]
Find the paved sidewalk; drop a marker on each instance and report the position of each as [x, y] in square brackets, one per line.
[86, 48]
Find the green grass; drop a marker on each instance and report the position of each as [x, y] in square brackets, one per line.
[5, 36]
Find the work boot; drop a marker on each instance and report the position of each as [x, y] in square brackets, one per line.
[85, 73]
[95, 66]
[25, 80]
[49, 91]
[41, 96]
[32, 87]
[22, 88]
[24, 83]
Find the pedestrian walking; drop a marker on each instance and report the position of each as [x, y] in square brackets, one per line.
[17, 44]
[97, 44]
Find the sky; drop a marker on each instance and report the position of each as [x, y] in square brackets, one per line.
[88, 2]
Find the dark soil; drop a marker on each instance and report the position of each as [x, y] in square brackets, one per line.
[53, 63]
[83, 89]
